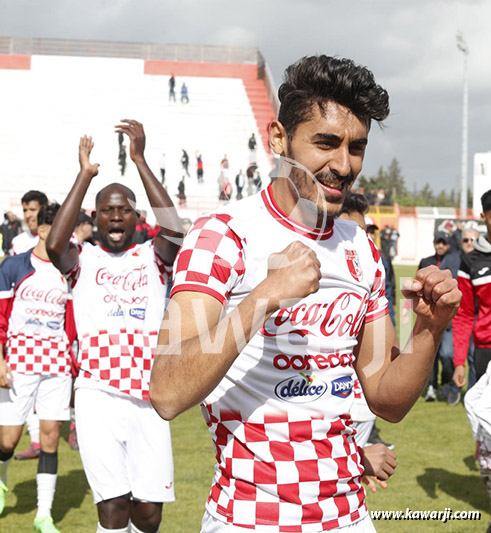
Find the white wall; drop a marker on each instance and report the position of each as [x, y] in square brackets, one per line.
[47, 109]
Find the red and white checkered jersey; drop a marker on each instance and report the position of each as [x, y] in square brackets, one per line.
[23, 242]
[36, 339]
[119, 302]
[286, 455]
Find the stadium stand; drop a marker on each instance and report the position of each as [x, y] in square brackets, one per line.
[59, 90]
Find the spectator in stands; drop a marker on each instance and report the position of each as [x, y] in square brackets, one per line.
[84, 229]
[225, 167]
[199, 167]
[184, 94]
[172, 88]
[444, 259]
[10, 228]
[239, 183]
[226, 190]
[475, 283]
[250, 178]
[252, 142]
[162, 168]
[185, 161]
[258, 182]
[181, 191]
[122, 158]
[31, 202]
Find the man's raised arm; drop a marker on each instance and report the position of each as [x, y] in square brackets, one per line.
[63, 255]
[393, 380]
[166, 245]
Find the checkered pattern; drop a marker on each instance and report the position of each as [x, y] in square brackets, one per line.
[357, 390]
[122, 360]
[285, 474]
[211, 260]
[48, 356]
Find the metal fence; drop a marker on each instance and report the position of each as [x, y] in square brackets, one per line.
[135, 50]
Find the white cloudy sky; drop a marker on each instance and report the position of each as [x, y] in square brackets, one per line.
[409, 45]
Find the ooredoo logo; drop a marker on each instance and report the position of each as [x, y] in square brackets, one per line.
[300, 389]
[342, 387]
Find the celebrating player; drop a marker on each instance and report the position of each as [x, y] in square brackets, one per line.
[269, 341]
[36, 329]
[119, 297]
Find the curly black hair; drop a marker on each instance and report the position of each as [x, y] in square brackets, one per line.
[486, 201]
[47, 214]
[319, 79]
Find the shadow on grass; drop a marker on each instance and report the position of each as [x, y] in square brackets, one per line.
[71, 489]
[464, 488]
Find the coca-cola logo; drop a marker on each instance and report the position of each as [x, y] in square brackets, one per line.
[54, 296]
[343, 317]
[131, 281]
[300, 389]
[342, 387]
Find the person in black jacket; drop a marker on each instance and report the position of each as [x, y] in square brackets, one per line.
[444, 259]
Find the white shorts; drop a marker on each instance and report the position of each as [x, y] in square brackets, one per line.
[49, 395]
[210, 524]
[125, 447]
[363, 430]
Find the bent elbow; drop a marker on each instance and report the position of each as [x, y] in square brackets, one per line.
[163, 404]
[392, 415]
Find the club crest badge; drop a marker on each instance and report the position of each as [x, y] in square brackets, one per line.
[354, 264]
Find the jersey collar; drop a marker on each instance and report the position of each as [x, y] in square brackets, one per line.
[293, 225]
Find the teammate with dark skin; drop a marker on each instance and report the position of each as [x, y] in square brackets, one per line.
[116, 220]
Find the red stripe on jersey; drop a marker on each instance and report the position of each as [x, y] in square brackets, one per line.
[293, 225]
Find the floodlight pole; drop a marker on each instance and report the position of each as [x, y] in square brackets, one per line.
[462, 46]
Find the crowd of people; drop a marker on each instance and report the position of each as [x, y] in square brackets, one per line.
[277, 307]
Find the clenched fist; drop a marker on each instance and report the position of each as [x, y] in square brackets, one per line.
[293, 273]
[435, 295]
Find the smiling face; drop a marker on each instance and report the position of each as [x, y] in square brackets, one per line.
[31, 210]
[115, 219]
[329, 150]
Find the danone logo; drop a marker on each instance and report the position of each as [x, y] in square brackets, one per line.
[137, 312]
[342, 387]
[300, 389]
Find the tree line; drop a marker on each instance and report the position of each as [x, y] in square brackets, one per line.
[392, 182]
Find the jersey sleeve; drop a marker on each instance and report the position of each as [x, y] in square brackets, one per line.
[463, 321]
[74, 274]
[378, 306]
[165, 271]
[211, 259]
[6, 299]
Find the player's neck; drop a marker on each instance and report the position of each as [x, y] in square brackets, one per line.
[298, 211]
[40, 250]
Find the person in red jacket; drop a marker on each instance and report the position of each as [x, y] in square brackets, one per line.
[474, 279]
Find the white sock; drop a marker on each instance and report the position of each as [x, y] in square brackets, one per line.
[4, 465]
[101, 529]
[134, 529]
[72, 415]
[46, 484]
[33, 427]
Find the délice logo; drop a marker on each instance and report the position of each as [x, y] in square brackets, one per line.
[300, 389]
